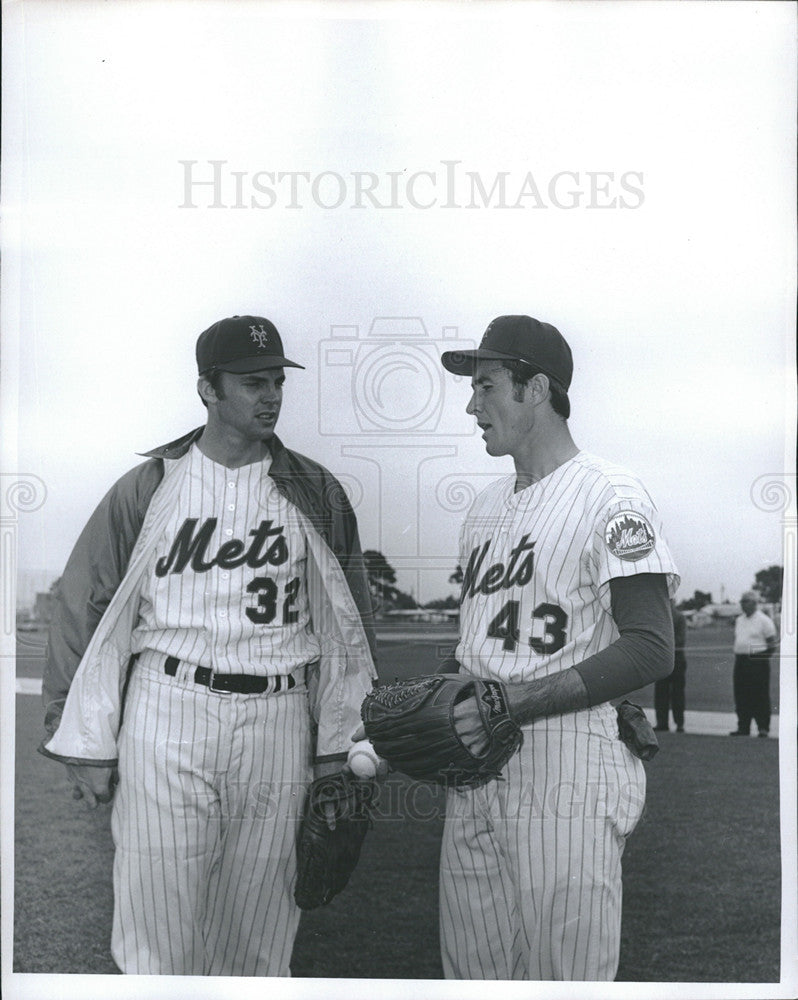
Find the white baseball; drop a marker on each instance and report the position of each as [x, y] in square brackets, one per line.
[363, 759]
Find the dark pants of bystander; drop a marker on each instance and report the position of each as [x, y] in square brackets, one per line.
[752, 692]
[669, 694]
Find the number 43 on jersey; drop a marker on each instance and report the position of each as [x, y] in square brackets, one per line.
[548, 627]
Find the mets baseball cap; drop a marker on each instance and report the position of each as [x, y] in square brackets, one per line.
[518, 338]
[241, 344]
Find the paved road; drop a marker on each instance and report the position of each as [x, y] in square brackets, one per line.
[713, 723]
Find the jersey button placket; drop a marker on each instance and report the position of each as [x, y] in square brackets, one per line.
[222, 577]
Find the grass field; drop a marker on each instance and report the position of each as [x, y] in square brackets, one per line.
[701, 872]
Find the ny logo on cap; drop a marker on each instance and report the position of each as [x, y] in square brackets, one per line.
[259, 335]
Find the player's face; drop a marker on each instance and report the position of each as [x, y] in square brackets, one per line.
[748, 605]
[501, 410]
[249, 404]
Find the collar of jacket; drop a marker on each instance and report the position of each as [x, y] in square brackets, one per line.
[178, 447]
[304, 482]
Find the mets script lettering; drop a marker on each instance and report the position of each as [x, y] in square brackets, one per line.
[516, 573]
[629, 538]
[190, 546]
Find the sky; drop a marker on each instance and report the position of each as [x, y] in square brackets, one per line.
[381, 181]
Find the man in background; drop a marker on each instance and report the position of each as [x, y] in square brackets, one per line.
[754, 643]
[669, 691]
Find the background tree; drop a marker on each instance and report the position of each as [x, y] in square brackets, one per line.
[403, 601]
[449, 603]
[699, 600]
[768, 584]
[381, 574]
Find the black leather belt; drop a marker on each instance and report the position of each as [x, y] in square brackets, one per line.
[234, 683]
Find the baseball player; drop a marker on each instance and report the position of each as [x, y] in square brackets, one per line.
[565, 599]
[209, 649]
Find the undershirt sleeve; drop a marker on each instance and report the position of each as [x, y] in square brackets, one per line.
[643, 652]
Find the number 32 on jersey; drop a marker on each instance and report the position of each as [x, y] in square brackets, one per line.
[549, 622]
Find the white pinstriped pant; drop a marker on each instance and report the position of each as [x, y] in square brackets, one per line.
[530, 876]
[211, 788]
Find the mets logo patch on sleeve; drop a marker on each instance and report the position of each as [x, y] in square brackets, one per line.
[629, 536]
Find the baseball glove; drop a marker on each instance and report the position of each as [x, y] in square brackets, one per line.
[635, 730]
[412, 725]
[328, 851]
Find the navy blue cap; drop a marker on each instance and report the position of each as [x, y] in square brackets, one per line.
[241, 344]
[518, 338]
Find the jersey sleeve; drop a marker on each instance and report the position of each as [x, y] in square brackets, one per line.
[628, 539]
[93, 572]
[644, 650]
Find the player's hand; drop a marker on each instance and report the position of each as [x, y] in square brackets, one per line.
[453, 729]
[94, 784]
[469, 727]
[323, 770]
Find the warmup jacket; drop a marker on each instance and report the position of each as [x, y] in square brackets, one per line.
[97, 604]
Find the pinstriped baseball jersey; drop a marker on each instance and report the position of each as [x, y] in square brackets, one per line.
[226, 588]
[530, 878]
[537, 565]
[211, 786]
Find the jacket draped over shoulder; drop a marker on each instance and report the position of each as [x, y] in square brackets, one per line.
[97, 601]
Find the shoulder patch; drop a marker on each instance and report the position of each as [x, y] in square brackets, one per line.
[629, 536]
